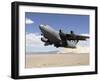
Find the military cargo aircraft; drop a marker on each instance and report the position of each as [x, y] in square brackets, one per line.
[59, 38]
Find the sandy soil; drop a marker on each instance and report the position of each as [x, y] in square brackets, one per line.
[56, 60]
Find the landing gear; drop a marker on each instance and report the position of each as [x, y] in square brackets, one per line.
[56, 45]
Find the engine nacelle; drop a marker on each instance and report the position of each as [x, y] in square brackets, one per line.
[44, 39]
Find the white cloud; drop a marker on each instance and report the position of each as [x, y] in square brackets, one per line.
[34, 44]
[85, 34]
[33, 39]
[85, 43]
[29, 21]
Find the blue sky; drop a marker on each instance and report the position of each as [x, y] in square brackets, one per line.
[77, 23]
[67, 22]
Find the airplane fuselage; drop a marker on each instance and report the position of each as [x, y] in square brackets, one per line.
[50, 34]
[59, 39]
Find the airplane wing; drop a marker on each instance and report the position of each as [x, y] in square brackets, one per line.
[76, 37]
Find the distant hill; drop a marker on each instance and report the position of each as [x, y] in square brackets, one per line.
[79, 49]
[49, 52]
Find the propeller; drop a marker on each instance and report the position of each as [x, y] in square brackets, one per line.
[72, 32]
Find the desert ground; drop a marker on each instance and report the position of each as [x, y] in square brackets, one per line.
[65, 57]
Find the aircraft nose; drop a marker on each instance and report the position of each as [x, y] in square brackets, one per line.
[41, 26]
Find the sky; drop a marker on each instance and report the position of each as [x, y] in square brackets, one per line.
[67, 22]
